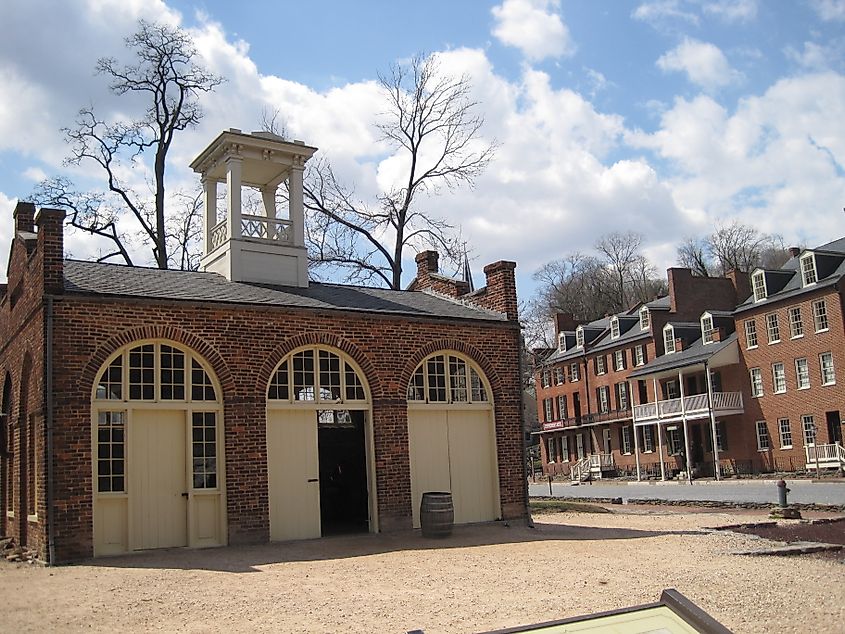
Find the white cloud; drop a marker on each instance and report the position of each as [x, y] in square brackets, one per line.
[662, 10]
[816, 57]
[704, 64]
[658, 11]
[732, 10]
[534, 27]
[830, 10]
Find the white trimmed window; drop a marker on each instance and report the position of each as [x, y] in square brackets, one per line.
[820, 315]
[579, 337]
[808, 426]
[601, 365]
[828, 372]
[750, 333]
[763, 443]
[668, 339]
[772, 328]
[548, 410]
[626, 440]
[564, 448]
[574, 374]
[756, 382]
[706, 328]
[619, 360]
[550, 450]
[547, 378]
[758, 285]
[648, 439]
[720, 442]
[622, 396]
[802, 374]
[603, 394]
[559, 376]
[639, 355]
[808, 269]
[441, 378]
[614, 327]
[645, 318]
[561, 342]
[785, 433]
[796, 325]
[675, 442]
[778, 378]
[561, 407]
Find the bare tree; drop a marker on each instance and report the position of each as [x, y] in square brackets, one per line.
[184, 231]
[692, 254]
[732, 246]
[167, 74]
[430, 120]
[621, 252]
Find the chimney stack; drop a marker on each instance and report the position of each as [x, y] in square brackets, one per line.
[427, 263]
[24, 215]
[501, 288]
[50, 224]
[794, 251]
[565, 322]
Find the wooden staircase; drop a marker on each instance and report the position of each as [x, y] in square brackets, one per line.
[591, 467]
[825, 457]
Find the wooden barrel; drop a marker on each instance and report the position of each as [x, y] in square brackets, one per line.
[437, 515]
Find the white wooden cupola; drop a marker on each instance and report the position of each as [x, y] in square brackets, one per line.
[265, 246]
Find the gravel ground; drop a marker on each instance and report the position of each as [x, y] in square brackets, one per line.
[483, 577]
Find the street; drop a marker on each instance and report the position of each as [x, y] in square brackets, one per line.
[761, 491]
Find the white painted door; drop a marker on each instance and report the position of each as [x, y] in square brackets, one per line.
[428, 440]
[157, 479]
[293, 474]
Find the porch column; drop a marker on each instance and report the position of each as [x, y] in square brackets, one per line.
[234, 168]
[209, 186]
[659, 434]
[686, 430]
[712, 421]
[634, 424]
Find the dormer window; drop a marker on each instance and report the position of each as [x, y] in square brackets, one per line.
[808, 269]
[758, 285]
[561, 342]
[645, 318]
[706, 328]
[579, 337]
[614, 327]
[668, 339]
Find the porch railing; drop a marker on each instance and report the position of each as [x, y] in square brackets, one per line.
[825, 456]
[695, 405]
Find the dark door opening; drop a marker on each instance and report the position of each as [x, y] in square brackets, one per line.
[834, 427]
[576, 406]
[344, 504]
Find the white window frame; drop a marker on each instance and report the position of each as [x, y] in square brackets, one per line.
[707, 328]
[808, 429]
[622, 393]
[546, 380]
[668, 342]
[756, 382]
[564, 448]
[796, 323]
[648, 439]
[802, 373]
[619, 360]
[579, 337]
[561, 342]
[614, 327]
[785, 433]
[772, 328]
[719, 442]
[764, 442]
[808, 269]
[778, 378]
[829, 372]
[645, 318]
[674, 442]
[604, 399]
[626, 440]
[750, 333]
[820, 321]
[758, 286]
[601, 365]
[562, 407]
[574, 373]
[639, 356]
[550, 450]
[559, 376]
[548, 410]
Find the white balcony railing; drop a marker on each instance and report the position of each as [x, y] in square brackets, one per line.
[259, 227]
[694, 406]
[832, 455]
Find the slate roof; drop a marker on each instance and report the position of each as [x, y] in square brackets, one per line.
[112, 280]
[696, 353]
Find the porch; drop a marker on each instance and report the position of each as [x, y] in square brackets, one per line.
[691, 407]
[831, 456]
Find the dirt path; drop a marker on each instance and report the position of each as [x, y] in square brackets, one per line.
[483, 577]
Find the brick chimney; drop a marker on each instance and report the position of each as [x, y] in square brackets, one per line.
[565, 322]
[501, 288]
[427, 263]
[24, 214]
[50, 224]
[794, 251]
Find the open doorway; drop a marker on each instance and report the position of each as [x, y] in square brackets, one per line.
[344, 506]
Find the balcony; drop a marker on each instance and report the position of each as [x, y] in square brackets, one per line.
[586, 419]
[695, 406]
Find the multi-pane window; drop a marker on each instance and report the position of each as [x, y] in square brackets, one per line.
[561, 407]
[548, 410]
[626, 440]
[750, 333]
[574, 374]
[550, 450]
[323, 376]
[142, 373]
[619, 360]
[763, 443]
[758, 285]
[808, 269]
[564, 448]
[669, 340]
[796, 326]
[756, 382]
[778, 378]
[111, 439]
[785, 433]
[720, 437]
[648, 439]
[559, 376]
[772, 327]
[808, 426]
[204, 449]
[603, 399]
[111, 381]
[561, 342]
[675, 441]
[622, 396]
[601, 367]
[442, 378]
[639, 355]
[820, 315]
[614, 328]
[645, 318]
[579, 337]
[547, 379]
[706, 329]
[172, 373]
[802, 374]
[202, 389]
[828, 372]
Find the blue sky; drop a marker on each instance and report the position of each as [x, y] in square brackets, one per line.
[662, 116]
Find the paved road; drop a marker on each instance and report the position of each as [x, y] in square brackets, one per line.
[802, 492]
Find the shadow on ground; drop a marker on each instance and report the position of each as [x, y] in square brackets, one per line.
[249, 558]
